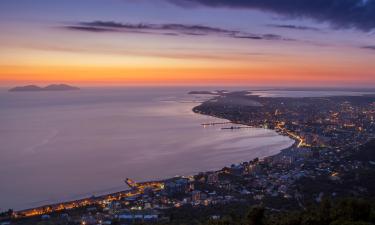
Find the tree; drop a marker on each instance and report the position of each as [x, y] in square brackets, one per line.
[255, 216]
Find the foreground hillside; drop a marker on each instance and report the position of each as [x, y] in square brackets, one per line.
[356, 206]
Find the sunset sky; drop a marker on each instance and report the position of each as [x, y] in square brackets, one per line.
[187, 42]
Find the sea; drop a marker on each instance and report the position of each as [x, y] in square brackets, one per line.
[61, 146]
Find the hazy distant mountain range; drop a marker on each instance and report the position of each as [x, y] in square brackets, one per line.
[52, 87]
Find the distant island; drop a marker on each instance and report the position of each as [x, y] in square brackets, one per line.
[52, 87]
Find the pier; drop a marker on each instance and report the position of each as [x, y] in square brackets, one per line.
[213, 123]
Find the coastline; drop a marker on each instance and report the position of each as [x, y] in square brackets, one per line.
[87, 201]
[290, 178]
[282, 152]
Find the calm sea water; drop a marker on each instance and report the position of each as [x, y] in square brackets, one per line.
[57, 146]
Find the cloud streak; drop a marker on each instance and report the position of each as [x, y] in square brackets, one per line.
[88, 29]
[358, 14]
[293, 27]
[170, 29]
[370, 47]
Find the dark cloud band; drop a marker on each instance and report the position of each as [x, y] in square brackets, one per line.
[358, 14]
[371, 47]
[169, 29]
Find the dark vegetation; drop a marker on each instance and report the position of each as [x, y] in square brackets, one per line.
[329, 212]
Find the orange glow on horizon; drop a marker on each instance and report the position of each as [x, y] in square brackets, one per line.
[24, 65]
[128, 75]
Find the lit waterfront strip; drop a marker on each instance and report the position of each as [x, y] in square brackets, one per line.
[301, 141]
[139, 189]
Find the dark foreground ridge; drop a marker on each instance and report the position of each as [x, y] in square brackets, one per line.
[52, 87]
[321, 179]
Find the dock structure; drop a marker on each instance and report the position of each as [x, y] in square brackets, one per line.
[215, 123]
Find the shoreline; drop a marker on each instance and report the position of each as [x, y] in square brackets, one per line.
[280, 153]
[87, 201]
[290, 175]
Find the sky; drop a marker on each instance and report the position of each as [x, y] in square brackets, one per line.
[188, 42]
